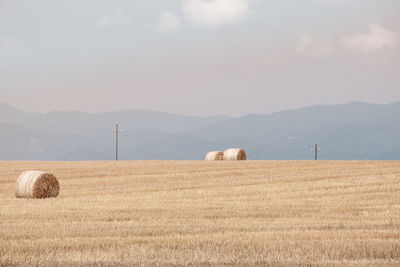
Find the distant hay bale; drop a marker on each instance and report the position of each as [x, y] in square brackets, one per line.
[234, 154]
[36, 184]
[214, 155]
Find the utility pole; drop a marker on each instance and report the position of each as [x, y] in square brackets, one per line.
[116, 131]
[316, 150]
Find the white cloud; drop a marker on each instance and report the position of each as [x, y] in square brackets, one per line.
[324, 46]
[8, 42]
[377, 38]
[118, 18]
[316, 46]
[168, 22]
[213, 13]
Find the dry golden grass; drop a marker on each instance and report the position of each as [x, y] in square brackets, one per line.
[205, 213]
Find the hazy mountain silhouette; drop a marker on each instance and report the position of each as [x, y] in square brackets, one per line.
[351, 131]
[76, 121]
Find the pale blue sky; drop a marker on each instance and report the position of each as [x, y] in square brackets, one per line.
[198, 57]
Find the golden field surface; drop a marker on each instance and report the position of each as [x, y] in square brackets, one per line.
[276, 213]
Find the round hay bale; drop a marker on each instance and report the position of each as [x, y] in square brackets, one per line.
[36, 184]
[214, 155]
[234, 154]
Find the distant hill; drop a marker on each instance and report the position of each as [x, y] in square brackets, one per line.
[351, 131]
[132, 120]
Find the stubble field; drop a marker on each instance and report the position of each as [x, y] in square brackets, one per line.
[205, 213]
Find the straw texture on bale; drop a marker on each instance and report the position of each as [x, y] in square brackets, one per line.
[234, 154]
[215, 155]
[36, 184]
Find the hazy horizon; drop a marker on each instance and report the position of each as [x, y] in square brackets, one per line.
[197, 57]
[195, 115]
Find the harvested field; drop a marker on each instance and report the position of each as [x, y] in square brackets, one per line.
[201, 213]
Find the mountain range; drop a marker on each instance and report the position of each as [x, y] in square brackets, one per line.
[355, 131]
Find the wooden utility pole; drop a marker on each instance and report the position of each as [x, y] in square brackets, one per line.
[117, 131]
[316, 150]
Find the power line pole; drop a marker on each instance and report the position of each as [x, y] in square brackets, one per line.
[116, 131]
[316, 150]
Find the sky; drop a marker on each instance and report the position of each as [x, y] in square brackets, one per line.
[198, 57]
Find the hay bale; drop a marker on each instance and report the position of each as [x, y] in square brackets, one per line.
[214, 155]
[36, 184]
[234, 154]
